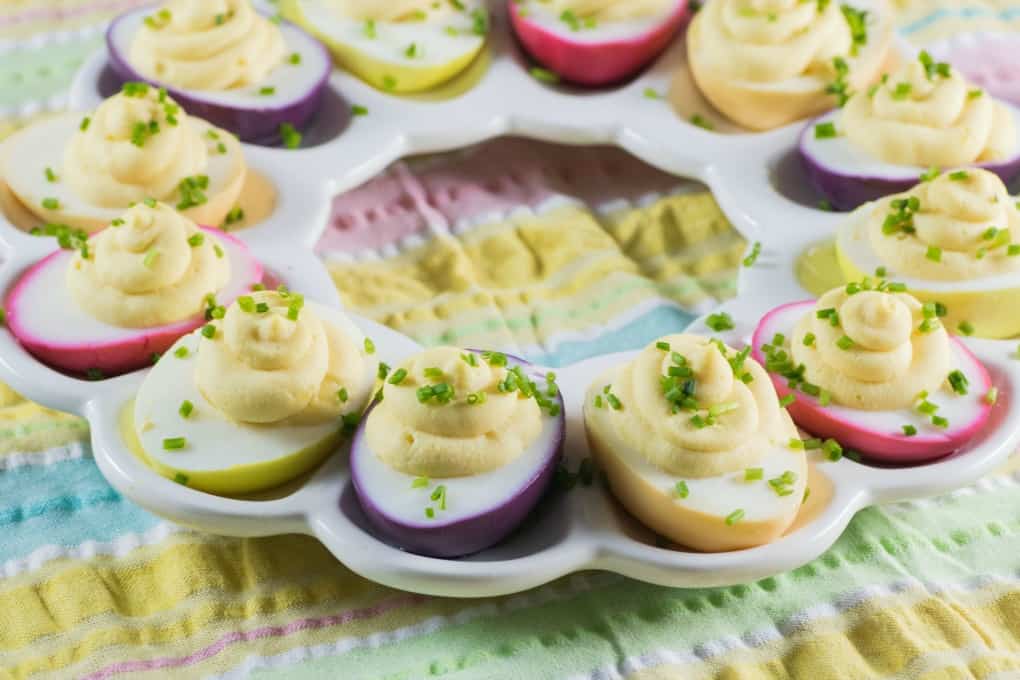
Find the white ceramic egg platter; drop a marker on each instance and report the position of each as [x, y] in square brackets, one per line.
[754, 177]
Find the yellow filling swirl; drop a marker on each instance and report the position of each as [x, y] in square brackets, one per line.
[923, 116]
[207, 45]
[153, 267]
[268, 364]
[957, 227]
[733, 424]
[872, 350]
[469, 427]
[138, 144]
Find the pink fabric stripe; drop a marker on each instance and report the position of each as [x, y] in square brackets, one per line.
[55, 14]
[258, 634]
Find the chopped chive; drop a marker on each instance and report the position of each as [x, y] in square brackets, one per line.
[934, 253]
[992, 396]
[543, 75]
[383, 371]
[734, 517]
[809, 339]
[825, 131]
[261, 307]
[930, 174]
[51, 204]
[369, 346]
[700, 121]
[752, 257]
[681, 489]
[614, 402]
[181, 352]
[289, 135]
[186, 408]
[959, 175]
[295, 58]
[966, 328]
[150, 259]
[652, 93]
[845, 342]
[420, 482]
[267, 90]
[909, 430]
[832, 449]
[719, 322]
[174, 443]
[796, 444]
[209, 331]
[664, 346]
[358, 110]
[430, 513]
[398, 376]
[939, 421]
[958, 381]
[50, 175]
[219, 251]
[787, 400]
[753, 474]
[342, 395]
[598, 401]
[196, 239]
[246, 303]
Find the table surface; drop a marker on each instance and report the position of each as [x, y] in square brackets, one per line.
[557, 254]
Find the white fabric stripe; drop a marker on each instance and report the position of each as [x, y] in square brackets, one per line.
[119, 547]
[73, 451]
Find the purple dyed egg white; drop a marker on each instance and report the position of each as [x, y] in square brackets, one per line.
[452, 515]
[848, 154]
[288, 94]
[594, 48]
[899, 436]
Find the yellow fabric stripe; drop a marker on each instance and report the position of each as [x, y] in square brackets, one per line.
[914, 634]
[25, 426]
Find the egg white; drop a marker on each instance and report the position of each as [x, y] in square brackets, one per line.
[219, 448]
[392, 493]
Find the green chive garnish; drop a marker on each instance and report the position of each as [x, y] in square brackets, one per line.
[174, 443]
[734, 517]
[753, 474]
[186, 408]
[369, 346]
[681, 489]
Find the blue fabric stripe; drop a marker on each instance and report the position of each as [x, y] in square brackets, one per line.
[924, 22]
[66, 503]
[636, 334]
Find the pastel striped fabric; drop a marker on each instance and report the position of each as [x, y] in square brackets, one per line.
[554, 253]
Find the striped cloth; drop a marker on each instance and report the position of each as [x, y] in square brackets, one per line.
[557, 254]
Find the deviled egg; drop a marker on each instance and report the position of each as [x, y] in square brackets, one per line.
[953, 239]
[223, 62]
[766, 63]
[84, 170]
[692, 439]
[870, 368]
[255, 398]
[128, 293]
[458, 451]
[403, 46]
[924, 116]
[596, 42]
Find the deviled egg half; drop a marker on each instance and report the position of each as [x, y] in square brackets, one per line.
[870, 368]
[84, 170]
[953, 239]
[766, 63]
[692, 439]
[923, 117]
[401, 46]
[118, 300]
[596, 42]
[255, 398]
[459, 450]
[223, 62]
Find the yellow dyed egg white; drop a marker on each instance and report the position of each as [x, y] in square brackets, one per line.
[725, 471]
[186, 437]
[402, 47]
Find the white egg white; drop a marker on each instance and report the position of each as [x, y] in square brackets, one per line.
[218, 446]
[29, 152]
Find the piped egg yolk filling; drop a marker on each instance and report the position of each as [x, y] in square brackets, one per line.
[694, 407]
[450, 413]
[926, 114]
[272, 360]
[150, 267]
[958, 226]
[872, 350]
[207, 45]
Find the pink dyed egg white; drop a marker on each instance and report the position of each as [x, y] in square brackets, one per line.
[478, 510]
[291, 93]
[879, 435]
[45, 319]
[593, 53]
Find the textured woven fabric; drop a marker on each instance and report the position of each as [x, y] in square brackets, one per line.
[554, 253]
